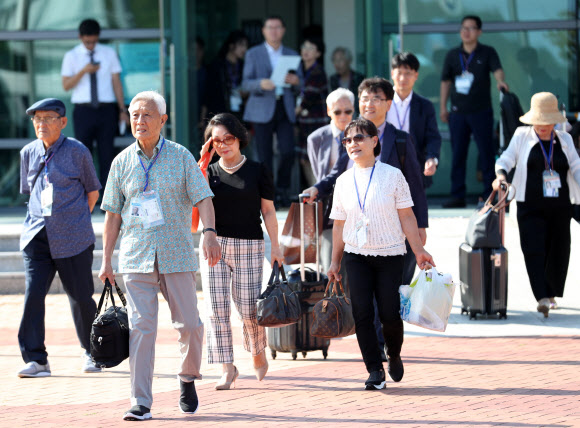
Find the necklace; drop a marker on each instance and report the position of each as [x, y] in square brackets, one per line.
[232, 167]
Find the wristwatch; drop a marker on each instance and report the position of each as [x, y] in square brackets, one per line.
[209, 229]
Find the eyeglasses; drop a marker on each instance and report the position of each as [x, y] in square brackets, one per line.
[358, 138]
[469, 28]
[373, 100]
[48, 119]
[227, 140]
[341, 112]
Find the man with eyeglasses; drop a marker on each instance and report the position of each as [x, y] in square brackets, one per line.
[271, 108]
[324, 146]
[92, 72]
[57, 236]
[465, 79]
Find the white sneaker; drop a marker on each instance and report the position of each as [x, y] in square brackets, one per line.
[33, 369]
[88, 365]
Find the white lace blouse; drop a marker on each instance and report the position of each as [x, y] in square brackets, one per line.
[387, 193]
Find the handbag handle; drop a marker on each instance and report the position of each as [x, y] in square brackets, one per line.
[108, 291]
[333, 289]
[501, 203]
[277, 270]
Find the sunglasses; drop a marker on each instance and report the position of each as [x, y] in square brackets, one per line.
[358, 138]
[228, 140]
[340, 112]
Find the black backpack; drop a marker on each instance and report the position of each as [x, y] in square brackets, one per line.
[110, 331]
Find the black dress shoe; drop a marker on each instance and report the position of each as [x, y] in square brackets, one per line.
[396, 369]
[188, 402]
[455, 203]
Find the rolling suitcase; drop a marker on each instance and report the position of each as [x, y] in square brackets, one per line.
[310, 286]
[483, 277]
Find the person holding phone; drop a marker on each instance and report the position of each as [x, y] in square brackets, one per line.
[244, 191]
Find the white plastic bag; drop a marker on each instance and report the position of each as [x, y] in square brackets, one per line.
[428, 300]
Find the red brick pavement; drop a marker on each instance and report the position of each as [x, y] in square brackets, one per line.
[455, 382]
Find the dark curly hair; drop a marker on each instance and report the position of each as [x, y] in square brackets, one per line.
[367, 127]
[232, 124]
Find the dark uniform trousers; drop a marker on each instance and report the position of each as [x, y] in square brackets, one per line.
[77, 279]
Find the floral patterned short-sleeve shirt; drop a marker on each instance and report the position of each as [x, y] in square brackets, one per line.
[180, 184]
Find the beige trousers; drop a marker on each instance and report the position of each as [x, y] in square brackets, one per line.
[179, 291]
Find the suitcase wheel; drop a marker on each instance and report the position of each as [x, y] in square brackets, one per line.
[294, 355]
[325, 353]
[503, 315]
[304, 354]
[472, 315]
[274, 354]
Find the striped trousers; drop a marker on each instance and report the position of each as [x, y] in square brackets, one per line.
[238, 277]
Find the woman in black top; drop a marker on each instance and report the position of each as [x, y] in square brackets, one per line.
[243, 191]
[546, 182]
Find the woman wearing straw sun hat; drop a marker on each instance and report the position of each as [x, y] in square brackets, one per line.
[546, 182]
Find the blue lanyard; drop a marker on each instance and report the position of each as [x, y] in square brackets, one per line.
[548, 160]
[404, 117]
[150, 165]
[362, 207]
[465, 65]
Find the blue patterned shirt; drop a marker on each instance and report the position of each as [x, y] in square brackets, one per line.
[72, 174]
[178, 181]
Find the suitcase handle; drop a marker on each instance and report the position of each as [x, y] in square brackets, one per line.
[301, 198]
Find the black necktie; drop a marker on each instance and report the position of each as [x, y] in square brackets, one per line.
[94, 95]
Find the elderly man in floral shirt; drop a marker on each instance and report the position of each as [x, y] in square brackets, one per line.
[151, 189]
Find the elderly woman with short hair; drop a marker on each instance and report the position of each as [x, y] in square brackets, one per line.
[546, 184]
[244, 191]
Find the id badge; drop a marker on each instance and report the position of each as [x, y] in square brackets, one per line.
[463, 82]
[150, 208]
[46, 200]
[361, 231]
[551, 181]
[235, 101]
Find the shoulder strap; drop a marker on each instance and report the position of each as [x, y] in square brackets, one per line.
[401, 143]
[40, 170]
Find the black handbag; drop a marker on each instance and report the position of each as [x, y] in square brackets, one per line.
[110, 331]
[278, 305]
[332, 316]
[483, 230]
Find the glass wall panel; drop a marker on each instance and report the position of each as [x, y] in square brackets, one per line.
[441, 11]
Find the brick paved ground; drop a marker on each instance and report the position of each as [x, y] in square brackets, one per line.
[450, 381]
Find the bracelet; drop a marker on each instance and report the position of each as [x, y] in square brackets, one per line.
[209, 229]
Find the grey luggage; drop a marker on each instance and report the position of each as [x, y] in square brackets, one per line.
[310, 286]
[483, 277]
[483, 274]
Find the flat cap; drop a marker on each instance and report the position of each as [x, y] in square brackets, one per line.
[47, 104]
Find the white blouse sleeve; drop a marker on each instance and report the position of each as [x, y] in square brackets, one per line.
[402, 193]
[337, 212]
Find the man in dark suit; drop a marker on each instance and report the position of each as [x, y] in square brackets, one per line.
[412, 113]
[375, 99]
[269, 108]
[324, 147]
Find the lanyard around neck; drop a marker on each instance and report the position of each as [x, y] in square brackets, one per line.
[548, 158]
[362, 206]
[401, 124]
[150, 164]
[464, 62]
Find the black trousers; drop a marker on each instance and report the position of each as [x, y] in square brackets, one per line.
[77, 280]
[409, 265]
[375, 277]
[545, 241]
[100, 125]
[264, 135]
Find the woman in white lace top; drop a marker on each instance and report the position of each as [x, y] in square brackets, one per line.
[372, 216]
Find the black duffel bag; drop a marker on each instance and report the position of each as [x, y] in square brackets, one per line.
[278, 305]
[110, 331]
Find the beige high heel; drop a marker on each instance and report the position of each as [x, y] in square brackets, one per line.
[224, 384]
[263, 369]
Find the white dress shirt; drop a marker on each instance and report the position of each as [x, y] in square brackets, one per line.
[75, 59]
[273, 54]
[400, 112]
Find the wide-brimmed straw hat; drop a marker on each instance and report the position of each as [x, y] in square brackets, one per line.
[543, 111]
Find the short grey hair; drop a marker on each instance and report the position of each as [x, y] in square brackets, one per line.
[150, 96]
[338, 94]
[345, 51]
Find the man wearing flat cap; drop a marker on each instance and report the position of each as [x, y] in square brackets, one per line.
[57, 236]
